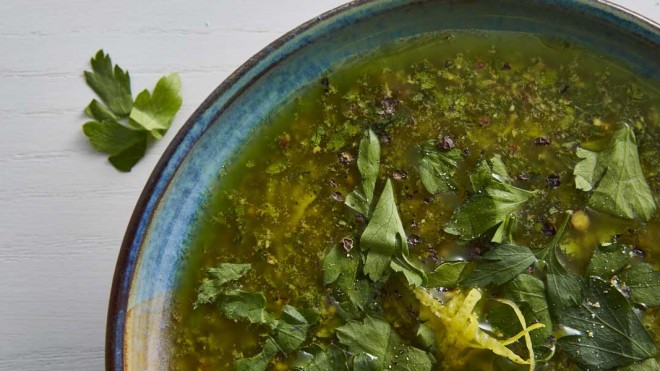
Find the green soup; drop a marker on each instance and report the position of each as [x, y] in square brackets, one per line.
[459, 201]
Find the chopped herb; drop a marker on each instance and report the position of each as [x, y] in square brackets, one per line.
[437, 168]
[564, 287]
[241, 305]
[214, 286]
[377, 340]
[446, 275]
[616, 178]
[292, 327]
[342, 270]
[499, 265]
[647, 365]
[261, 361]
[609, 334]
[643, 283]
[361, 199]
[494, 199]
[529, 293]
[607, 260]
[384, 240]
[331, 359]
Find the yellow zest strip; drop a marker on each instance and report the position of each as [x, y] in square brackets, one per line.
[525, 331]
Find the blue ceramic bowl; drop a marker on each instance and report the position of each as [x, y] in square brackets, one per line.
[157, 237]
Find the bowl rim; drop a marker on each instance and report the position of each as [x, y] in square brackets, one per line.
[125, 269]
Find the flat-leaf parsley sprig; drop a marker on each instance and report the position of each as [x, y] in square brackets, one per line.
[121, 126]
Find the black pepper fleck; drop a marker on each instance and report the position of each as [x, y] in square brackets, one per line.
[553, 181]
[414, 240]
[542, 141]
[337, 196]
[346, 158]
[347, 244]
[326, 84]
[446, 143]
[400, 174]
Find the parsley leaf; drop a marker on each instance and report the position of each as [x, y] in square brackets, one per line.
[529, 293]
[214, 286]
[125, 139]
[154, 111]
[124, 145]
[648, 365]
[499, 265]
[292, 327]
[446, 274]
[112, 86]
[99, 112]
[615, 175]
[261, 361]
[384, 240]
[361, 199]
[340, 269]
[318, 359]
[607, 260]
[609, 332]
[375, 338]
[494, 199]
[242, 305]
[366, 362]
[436, 168]
[564, 287]
[643, 283]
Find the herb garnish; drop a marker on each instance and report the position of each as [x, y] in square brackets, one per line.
[564, 287]
[609, 332]
[121, 127]
[375, 342]
[361, 199]
[437, 168]
[384, 240]
[499, 265]
[493, 200]
[616, 178]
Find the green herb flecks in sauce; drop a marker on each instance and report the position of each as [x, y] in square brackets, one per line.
[458, 201]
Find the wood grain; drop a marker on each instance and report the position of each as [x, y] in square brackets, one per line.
[64, 209]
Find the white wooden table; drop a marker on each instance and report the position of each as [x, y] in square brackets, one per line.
[63, 208]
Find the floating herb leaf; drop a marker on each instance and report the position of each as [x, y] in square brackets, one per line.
[292, 327]
[564, 288]
[384, 240]
[494, 199]
[643, 283]
[341, 269]
[648, 365]
[214, 286]
[376, 339]
[529, 293]
[615, 175]
[436, 168]
[607, 260]
[318, 359]
[242, 305]
[499, 265]
[446, 274]
[261, 361]
[610, 334]
[361, 199]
